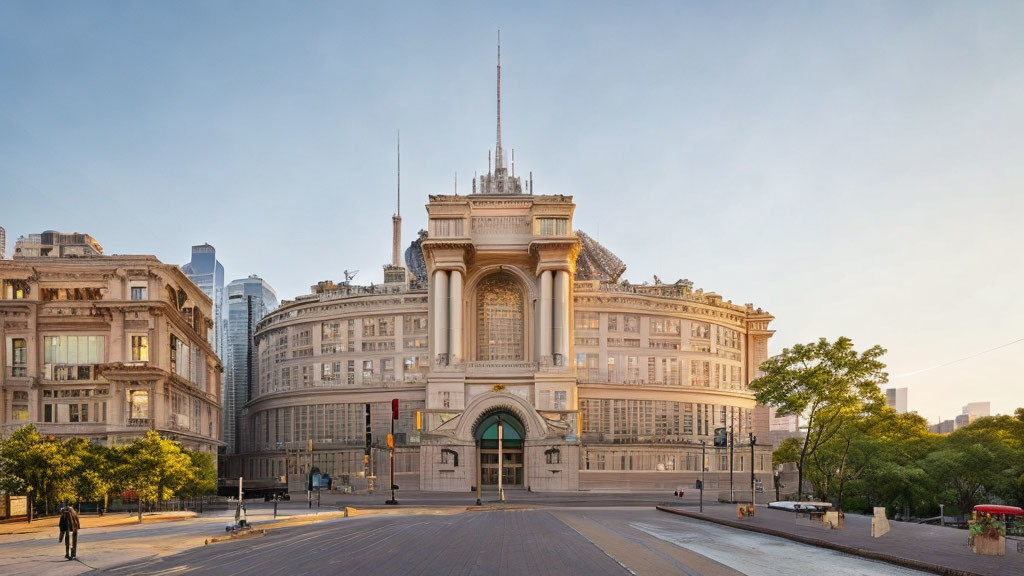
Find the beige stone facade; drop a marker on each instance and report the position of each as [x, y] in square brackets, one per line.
[105, 348]
[613, 385]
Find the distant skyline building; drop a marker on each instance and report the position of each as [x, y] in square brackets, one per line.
[249, 300]
[3, 243]
[208, 274]
[896, 398]
[53, 244]
[978, 410]
[789, 423]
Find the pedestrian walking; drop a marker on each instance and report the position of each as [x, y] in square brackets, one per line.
[69, 531]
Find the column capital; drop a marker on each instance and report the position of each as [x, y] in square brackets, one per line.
[556, 254]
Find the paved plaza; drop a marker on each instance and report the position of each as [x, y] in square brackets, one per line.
[432, 533]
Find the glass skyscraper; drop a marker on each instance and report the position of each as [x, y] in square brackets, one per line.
[207, 273]
[249, 300]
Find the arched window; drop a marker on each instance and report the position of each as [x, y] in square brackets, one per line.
[499, 304]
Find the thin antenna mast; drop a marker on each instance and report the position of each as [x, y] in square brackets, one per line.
[498, 154]
[398, 208]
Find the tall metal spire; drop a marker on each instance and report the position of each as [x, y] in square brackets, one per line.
[396, 219]
[498, 164]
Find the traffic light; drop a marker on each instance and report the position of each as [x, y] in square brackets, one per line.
[394, 409]
[721, 438]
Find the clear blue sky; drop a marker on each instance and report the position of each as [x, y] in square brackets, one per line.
[854, 168]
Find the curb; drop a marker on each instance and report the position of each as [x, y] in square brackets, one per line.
[235, 536]
[871, 555]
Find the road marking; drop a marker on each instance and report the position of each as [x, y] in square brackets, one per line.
[762, 555]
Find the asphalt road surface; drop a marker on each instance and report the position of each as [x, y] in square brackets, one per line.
[591, 541]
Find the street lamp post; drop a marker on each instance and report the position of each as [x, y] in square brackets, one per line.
[732, 492]
[703, 459]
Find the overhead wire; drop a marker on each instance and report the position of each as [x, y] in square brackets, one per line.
[958, 360]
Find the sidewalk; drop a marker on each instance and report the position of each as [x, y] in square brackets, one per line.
[87, 521]
[936, 549]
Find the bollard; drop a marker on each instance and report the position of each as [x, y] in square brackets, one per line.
[275, 509]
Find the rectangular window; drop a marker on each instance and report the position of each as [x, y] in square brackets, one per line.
[367, 368]
[446, 227]
[700, 373]
[631, 323]
[588, 320]
[19, 406]
[138, 404]
[613, 324]
[700, 330]
[14, 289]
[140, 348]
[138, 292]
[560, 399]
[19, 357]
[550, 226]
[48, 413]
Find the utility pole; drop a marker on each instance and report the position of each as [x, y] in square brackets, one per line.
[753, 441]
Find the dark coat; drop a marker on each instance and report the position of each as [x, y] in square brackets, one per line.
[69, 521]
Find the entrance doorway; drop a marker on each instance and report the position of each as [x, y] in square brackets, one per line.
[510, 467]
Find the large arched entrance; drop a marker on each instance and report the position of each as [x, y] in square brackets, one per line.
[499, 436]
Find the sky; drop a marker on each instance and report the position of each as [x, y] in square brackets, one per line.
[856, 168]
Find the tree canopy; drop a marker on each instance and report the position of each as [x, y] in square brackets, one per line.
[829, 385]
[53, 470]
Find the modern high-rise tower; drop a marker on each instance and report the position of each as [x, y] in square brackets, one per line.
[249, 300]
[3, 243]
[207, 273]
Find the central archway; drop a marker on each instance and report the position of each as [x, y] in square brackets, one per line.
[499, 436]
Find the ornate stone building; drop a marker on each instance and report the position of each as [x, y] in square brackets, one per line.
[507, 324]
[105, 348]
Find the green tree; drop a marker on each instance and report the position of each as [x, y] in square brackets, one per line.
[1003, 438]
[154, 468]
[825, 383]
[93, 470]
[962, 474]
[36, 465]
[1019, 414]
[788, 451]
[204, 479]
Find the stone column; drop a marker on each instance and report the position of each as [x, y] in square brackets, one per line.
[561, 296]
[455, 314]
[544, 322]
[440, 313]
